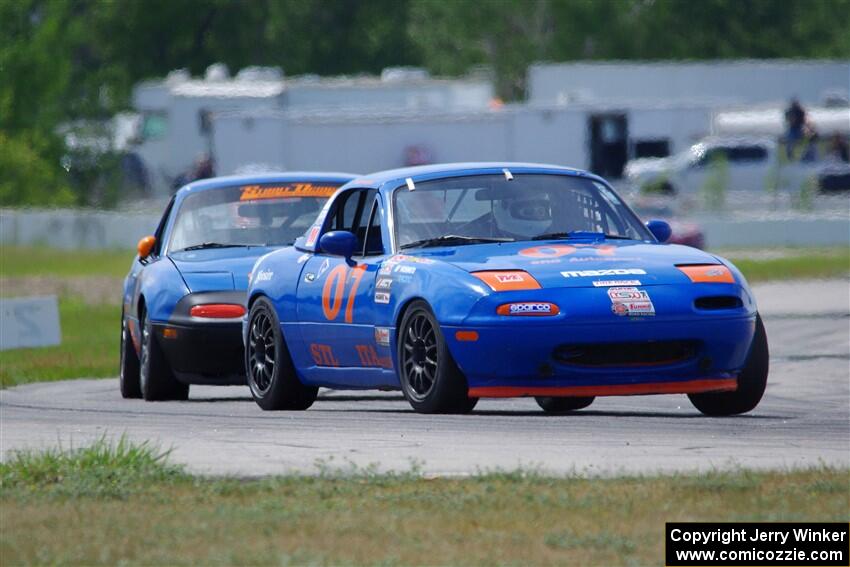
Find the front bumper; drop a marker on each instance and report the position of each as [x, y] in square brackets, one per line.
[516, 356]
[204, 353]
[203, 350]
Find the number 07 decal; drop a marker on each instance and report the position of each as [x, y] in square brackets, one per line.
[334, 290]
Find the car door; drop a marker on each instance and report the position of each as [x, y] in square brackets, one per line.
[336, 300]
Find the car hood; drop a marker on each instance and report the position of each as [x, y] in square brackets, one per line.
[578, 264]
[217, 269]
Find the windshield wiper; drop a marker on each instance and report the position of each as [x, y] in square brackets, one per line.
[205, 245]
[580, 234]
[453, 239]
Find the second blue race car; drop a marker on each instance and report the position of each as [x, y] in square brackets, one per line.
[184, 297]
[458, 282]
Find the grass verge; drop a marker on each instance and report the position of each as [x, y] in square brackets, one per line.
[90, 347]
[792, 263]
[17, 261]
[153, 513]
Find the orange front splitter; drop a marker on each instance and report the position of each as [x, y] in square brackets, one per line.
[689, 387]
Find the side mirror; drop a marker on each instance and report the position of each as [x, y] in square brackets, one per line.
[338, 243]
[660, 230]
[145, 246]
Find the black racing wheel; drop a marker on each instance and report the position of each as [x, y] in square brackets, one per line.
[752, 382]
[562, 405]
[271, 375]
[128, 377]
[156, 379]
[430, 379]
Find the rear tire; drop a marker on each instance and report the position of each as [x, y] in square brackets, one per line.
[562, 405]
[752, 382]
[430, 379]
[268, 365]
[128, 377]
[157, 381]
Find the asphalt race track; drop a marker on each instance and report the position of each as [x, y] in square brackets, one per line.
[804, 419]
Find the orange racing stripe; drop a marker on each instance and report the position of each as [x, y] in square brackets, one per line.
[689, 387]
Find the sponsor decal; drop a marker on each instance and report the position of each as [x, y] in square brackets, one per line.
[609, 283]
[369, 357]
[402, 269]
[255, 192]
[324, 268]
[323, 355]
[505, 280]
[405, 258]
[552, 261]
[608, 258]
[303, 258]
[385, 270]
[556, 250]
[264, 276]
[626, 294]
[529, 308]
[312, 236]
[403, 278]
[509, 278]
[552, 251]
[384, 283]
[382, 336]
[630, 301]
[597, 273]
[382, 297]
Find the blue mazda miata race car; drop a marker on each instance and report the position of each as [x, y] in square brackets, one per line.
[184, 297]
[457, 282]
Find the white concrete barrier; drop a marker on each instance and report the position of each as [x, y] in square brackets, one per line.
[769, 232]
[70, 228]
[29, 322]
[89, 229]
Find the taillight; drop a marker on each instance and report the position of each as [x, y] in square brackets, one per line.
[528, 309]
[217, 311]
[711, 273]
[508, 280]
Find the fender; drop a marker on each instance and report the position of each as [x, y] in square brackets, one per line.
[162, 286]
[276, 276]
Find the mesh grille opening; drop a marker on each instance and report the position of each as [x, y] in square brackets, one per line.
[647, 353]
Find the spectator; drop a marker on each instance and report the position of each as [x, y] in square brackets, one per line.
[204, 168]
[838, 149]
[810, 143]
[795, 119]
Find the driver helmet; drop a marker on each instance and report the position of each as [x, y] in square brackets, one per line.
[523, 215]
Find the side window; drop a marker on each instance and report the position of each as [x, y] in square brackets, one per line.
[374, 244]
[351, 213]
[748, 154]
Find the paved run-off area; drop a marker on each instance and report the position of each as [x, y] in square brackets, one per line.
[803, 420]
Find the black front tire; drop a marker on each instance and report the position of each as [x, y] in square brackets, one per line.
[128, 377]
[430, 379]
[752, 382]
[562, 405]
[268, 365]
[157, 381]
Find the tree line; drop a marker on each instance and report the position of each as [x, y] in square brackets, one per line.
[63, 60]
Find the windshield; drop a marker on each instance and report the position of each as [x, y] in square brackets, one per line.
[489, 207]
[271, 214]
